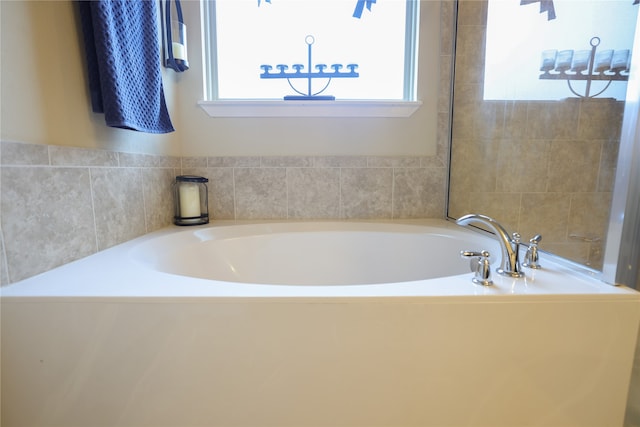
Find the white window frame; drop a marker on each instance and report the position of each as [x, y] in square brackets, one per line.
[280, 108]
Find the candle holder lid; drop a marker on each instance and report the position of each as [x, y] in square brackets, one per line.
[191, 178]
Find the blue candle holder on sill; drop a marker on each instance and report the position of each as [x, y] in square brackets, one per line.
[309, 75]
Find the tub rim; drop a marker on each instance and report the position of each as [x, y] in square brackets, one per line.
[93, 277]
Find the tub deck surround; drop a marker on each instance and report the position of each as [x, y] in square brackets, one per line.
[113, 340]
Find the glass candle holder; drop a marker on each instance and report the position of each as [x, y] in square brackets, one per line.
[191, 204]
[179, 40]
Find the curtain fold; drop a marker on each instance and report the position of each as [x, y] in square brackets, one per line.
[123, 62]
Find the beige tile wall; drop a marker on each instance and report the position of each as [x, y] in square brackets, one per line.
[59, 204]
[323, 187]
[538, 167]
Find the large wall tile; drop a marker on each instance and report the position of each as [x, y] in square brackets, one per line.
[234, 161]
[393, 162]
[488, 119]
[286, 161]
[447, 17]
[118, 204]
[546, 214]
[522, 165]
[441, 159]
[472, 12]
[596, 117]
[515, 120]
[470, 50]
[15, 153]
[193, 162]
[313, 193]
[553, 119]
[467, 99]
[608, 165]
[573, 166]
[366, 193]
[341, 162]
[157, 185]
[147, 161]
[67, 156]
[261, 193]
[419, 192]
[469, 158]
[221, 193]
[589, 216]
[47, 218]
[444, 88]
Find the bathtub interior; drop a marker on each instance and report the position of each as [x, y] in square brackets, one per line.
[314, 254]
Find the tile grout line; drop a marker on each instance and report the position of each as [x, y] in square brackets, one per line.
[93, 211]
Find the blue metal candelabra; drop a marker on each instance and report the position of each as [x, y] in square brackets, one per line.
[309, 75]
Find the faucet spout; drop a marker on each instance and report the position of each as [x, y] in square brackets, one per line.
[509, 246]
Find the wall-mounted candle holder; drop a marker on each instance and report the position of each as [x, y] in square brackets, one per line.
[586, 65]
[174, 38]
[191, 202]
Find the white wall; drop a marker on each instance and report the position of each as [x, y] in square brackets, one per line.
[44, 96]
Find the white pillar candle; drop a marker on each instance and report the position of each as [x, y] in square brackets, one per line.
[189, 200]
[563, 62]
[548, 60]
[580, 60]
[620, 60]
[178, 50]
[603, 60]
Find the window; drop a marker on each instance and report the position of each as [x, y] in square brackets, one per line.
[518, 34]
[357, 52]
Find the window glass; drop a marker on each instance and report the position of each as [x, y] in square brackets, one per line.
[365, 58]
[518, 34]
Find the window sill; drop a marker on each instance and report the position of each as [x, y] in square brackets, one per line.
[277, 108]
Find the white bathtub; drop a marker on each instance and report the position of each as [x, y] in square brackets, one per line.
[313, 324]
[317, 253]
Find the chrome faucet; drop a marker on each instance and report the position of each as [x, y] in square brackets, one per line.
[509, 245]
